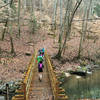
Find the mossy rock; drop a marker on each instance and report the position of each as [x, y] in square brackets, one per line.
[83, 63]
[62, 77]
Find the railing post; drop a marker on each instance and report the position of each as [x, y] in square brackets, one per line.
[24, 86]
[7, 92]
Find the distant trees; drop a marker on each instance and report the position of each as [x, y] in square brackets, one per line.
[7, 16]
[6, 20]
[9, 13]
[73, 7]
[63, 14]
[33, 21]
[84, 25]
[69, 15]
[54, 15]
[61, 21]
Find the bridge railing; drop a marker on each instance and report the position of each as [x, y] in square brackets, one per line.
[58, 92]
[23, 92]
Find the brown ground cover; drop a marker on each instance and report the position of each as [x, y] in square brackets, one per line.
[14, 67]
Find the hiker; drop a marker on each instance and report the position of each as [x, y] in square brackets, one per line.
[41, 52]
[39, 58]
[40, 70]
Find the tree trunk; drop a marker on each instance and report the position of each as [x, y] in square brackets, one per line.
[33, 22]
[54, 15]
[80, 45]
[6, 23]
[10, 31]
[40, 10]
[86, 21]
[12, 46]
[63, 27]
[84, 28]
[60, 34]
[0, 50]
[19, 4]
[4, 31]
[24, 4]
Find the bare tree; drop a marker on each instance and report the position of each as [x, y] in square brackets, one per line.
[84, 27]
[60, 34]
[86, 21]
[33, 21]
[10, 28]
[40, 9]
[6, 23]
[68, 19]
[19, 5]
[54, 15]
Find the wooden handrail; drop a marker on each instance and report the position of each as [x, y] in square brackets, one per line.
[25, 85]
[29, 74]
[57, 91]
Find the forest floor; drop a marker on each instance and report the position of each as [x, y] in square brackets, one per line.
[69, 61]
[13, 68]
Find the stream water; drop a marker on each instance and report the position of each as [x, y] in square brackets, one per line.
[2, 97]
[84, 87]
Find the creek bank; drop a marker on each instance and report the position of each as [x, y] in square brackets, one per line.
[84, 70]
[79, 71]
[77, 86]
[12, 86]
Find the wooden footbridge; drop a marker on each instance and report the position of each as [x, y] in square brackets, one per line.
[32, 89]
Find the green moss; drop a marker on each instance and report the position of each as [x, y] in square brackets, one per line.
[62, 77]
[83, 63]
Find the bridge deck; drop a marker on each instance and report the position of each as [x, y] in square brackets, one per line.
[40, 90]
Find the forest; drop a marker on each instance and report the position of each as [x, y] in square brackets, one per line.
[69, 32]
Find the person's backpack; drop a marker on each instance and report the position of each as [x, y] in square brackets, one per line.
[40, 65]
[41, 54]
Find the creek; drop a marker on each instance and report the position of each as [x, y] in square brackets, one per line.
[78, 87]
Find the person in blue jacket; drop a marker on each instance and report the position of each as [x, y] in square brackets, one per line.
[41, 52]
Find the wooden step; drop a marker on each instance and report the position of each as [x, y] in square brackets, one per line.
[19, 96]
[36, 88]
[14, 98]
